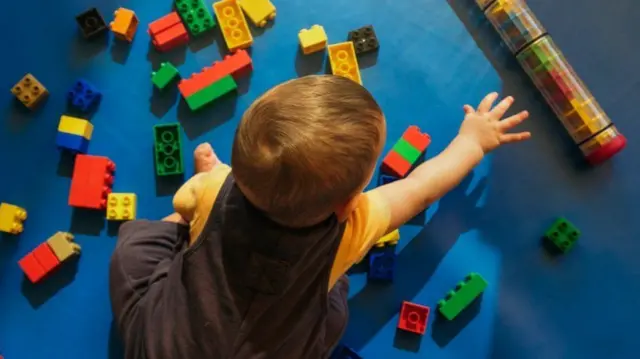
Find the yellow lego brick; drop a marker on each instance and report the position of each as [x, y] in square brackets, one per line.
[313, 39]
[124, 24]
[29, 91]
[11, 218]
[62, 245]
[75, 126]
[391, 238]
[233, 24]
[343, 61]
[121, 206]
[259, 11]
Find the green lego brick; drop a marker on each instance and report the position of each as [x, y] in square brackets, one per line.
[164, 75]
[211, 93]
[195, 16]
[563, 234]
[460, 298]
[407, 151]
[168, 149]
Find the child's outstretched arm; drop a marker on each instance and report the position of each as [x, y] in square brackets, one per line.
[482, 131]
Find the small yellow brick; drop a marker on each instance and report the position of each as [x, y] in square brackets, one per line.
[75, 126]
[29, 91]
[313, 39]
[342, 58]
[121, 206]
[391, 238]
[11, 218]
[258, 11]
[62, 245]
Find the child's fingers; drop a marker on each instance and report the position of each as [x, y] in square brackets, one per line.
[514, 137]
[501, 108]
[467, 109]
[487, 102]
[513, 121]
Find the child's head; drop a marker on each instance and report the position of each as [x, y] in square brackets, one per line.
[307, 148]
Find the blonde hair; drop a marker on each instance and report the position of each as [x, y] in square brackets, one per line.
[305, 147]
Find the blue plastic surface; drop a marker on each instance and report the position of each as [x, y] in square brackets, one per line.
[71, 142]
[434, 57]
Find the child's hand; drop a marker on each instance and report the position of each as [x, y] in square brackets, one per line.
[485, 126]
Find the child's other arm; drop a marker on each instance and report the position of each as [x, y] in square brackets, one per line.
[481, 131]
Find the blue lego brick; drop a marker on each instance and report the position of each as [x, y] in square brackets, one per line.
[344, 352]
[83, 95]
[73, 143]
[382, 264]
[386, 179]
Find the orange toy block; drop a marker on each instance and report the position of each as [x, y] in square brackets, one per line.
[237, 65]
[124, 24]
[395, 165]
[168, 32]
[416, 138]
[45, 256]
[91, 182]
[31, 268]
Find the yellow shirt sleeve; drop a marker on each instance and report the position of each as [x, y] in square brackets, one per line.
[194, 200]
[365, 225]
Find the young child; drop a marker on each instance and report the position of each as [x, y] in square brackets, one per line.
[262, 274]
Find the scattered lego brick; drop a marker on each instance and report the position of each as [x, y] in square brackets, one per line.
[124, 24]
[382, 265]
[75, 126]
[313, 39]
[168, 32]
[91, 24]
[344, 352]
[460, 298]
[45, 256]
[31, 268]
[165, 75]
[121, 206]
[416, 138]
[12, 218]
[233, 24]
[392, 238]
[83, 95]
[195, 16]
[342, 58]
[72, 143]
[167, 147]
[62, 245]
[395, 164]
[386, 179]
[91, 182]
[238, 65]
[406, 152]
[563, 234]
[364, 39]
[29, 91]
[259, 11]
[413, 318]
[211, 93]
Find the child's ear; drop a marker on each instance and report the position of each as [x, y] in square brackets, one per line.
[343, 211]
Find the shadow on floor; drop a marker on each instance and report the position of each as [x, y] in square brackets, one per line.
[39, 293]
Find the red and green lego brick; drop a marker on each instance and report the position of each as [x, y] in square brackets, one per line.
[406, 152]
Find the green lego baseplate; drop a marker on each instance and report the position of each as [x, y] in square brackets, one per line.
[563, 234]
[211, 93]
[165, 74]
[195, 16]
[167, 147]
[460, 298]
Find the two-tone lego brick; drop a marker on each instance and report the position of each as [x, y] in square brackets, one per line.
[48, 256]
[74, 134]
[237, 65]
[167, 148]
[91, 23]
[124, 24]
[364, 39]
[342, 58]
[460, 298]
[29, 91]
[563, 234]
[211, 93]
[12, 218]
[195, 16]
[413, 317]
[168, 32]
[121, 206]
[313, 39]
[83, 95]
[259, 11]
[406, 152]
[165, 75]
[91, 182]
[233, 24]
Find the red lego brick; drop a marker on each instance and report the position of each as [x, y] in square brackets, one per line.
[45, 256]
[395, 165]
[238, 64]
[168, 32]
[413, 318]
[31, 268]
[416, 138]
[91, 182]
[164, 23]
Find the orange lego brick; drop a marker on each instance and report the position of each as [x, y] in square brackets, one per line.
[416, 138]
[124, 24]
[91, 182]
[31, 268]
[45, 256]
[168, 32]
[164, 23]
[395, 165]
[237, 65]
